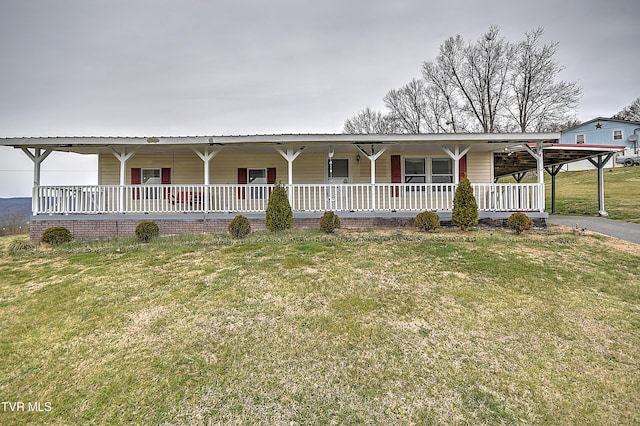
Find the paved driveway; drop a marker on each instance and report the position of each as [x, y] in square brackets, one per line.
[613, 228]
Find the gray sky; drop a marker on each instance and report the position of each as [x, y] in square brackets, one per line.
[196, 67]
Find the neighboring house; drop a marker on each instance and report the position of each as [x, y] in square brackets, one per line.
[198, 184]
[605, 132]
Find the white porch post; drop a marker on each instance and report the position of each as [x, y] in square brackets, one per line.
[456, 155]
[206, 157]
[538, 154]
[123, 157]
[290, 155]
[372, 158]
[37, 157]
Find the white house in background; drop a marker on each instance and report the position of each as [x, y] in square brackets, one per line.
[199, 183]
[605, 132]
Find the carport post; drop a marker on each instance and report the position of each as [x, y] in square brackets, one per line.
[553, 171]
[602, 160]
[538, 154]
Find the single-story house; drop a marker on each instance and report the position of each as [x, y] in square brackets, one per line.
[199, 183]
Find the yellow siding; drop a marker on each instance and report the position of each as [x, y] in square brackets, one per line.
[308, 168]
[480, 167]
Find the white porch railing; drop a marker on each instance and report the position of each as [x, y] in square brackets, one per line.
[105, 199]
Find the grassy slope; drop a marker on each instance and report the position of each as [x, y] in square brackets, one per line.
[577, 193]
[307, 328]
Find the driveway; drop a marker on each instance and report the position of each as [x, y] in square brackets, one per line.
[614, 228]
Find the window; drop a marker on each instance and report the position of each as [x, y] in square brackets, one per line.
[617, 135]
[338, 170]
[257, 177]
[442, 170]
[415, 170]
[151, 177]
[580, 138]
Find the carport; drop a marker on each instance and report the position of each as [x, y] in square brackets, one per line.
[519, 160]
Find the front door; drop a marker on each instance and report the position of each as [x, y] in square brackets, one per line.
[338, 194]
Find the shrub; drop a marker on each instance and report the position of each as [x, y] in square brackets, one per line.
[20, 246]
[146, 231]
[239, 227]
[329, 222]
[519, 222]
[56, 235]
[279, 215]
[465, 208]
[427, 221]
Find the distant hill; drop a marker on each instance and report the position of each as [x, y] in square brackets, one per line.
[14, 206]
[15, 214]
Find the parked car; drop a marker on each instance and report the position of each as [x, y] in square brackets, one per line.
[628, 160]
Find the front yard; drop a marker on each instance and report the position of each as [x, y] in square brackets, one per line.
[380, 327]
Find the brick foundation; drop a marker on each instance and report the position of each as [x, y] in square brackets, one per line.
[123, 228]
[97, 228]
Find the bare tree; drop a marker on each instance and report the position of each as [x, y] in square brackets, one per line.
[369, 121]
[478, 73]
[407, 106]
[488, 85]
[630, 112]
[442, 100]
[536, 99]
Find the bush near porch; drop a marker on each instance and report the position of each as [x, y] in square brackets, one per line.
[308, 328]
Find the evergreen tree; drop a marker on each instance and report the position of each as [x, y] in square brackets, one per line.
[465, 208]
[279, 215]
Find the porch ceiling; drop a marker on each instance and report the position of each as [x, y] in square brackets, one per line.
[508, 163]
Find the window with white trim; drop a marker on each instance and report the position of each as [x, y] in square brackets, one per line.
[151, 177]
[441, 170]
[257, 177]
[617, 135]
[580, 138]
[415, 170]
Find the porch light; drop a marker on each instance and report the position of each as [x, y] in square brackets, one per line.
[358, 158]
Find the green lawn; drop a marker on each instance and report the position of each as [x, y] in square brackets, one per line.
[577, 193]
[304, 328]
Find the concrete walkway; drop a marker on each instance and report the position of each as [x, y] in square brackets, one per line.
[614, 228]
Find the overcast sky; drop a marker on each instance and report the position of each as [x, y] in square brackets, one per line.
[196, 67]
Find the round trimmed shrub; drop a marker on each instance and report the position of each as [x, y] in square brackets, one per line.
[239, 227]
[465, 207]
[56, 235]
[279, 215]
[329, 222]
[427, 221]
[519, 222]
[146, 231]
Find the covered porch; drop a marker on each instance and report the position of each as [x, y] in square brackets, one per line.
[337, 172]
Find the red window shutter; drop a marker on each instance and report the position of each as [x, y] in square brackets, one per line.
[165, 179]
[243, 177]
[271, 175]
[165, 176]
[396, 173]
[462, 167]
[136, 179]
[136, 176]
